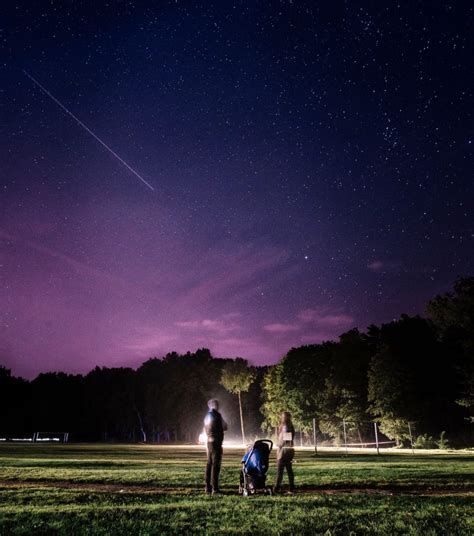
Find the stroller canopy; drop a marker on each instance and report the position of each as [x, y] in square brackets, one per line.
[256, 458]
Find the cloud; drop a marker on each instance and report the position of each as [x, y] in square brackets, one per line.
[230, 273]
[208, 324]
[378, 266]
[312, 326]
[222, 340]
[149, 340]
[281, 328]
[80, 268]
[375, 266]
[325, 318]
[183, 335]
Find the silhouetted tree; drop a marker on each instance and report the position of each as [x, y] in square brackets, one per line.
[15, 404]
[296, 385]
[453, 316]
[237, 377]
[411, 379]
[344, 395]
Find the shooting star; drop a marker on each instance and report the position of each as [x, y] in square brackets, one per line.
[87, 129]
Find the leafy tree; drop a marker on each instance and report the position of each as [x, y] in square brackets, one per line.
[56, 403]
[344, 395]
[453, 316]
[305, 371]
[274, 396]
[148, 398]
[453, 313]
[296, 385]
[237, 377]
[15, 404]
[326, 381]
[253, 401]
[411, 379]
[173, 390]
[111, 403]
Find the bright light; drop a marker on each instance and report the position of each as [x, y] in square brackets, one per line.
[16, 439]
[227, 443]
[234, 444]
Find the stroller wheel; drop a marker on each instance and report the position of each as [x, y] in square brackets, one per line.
[241, 490]
[269, 491]
[245, 493]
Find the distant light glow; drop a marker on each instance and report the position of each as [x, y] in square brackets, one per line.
[16, 439]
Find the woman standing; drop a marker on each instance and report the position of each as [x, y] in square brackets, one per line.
[285, 451]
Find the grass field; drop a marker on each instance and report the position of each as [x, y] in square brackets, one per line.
[121, 489]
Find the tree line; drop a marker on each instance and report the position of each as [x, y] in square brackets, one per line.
[416, 371]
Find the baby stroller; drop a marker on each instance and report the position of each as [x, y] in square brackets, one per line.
[254, 468]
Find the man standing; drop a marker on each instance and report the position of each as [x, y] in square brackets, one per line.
[214, 426]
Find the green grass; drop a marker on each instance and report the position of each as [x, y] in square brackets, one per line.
[121, 489]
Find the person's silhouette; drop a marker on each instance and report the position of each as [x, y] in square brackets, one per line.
[214, 427]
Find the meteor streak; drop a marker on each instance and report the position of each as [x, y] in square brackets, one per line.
[87, 129]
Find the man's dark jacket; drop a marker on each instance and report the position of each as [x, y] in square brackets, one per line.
[215, 426]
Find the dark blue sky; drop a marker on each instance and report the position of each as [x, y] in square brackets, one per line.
[311, 166]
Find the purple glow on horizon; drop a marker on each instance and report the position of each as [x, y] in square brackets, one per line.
[67, 314]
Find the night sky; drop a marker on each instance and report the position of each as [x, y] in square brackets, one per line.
[311, 171]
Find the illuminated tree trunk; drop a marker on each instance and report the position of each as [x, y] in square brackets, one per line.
[241, 419]
[140, 422]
